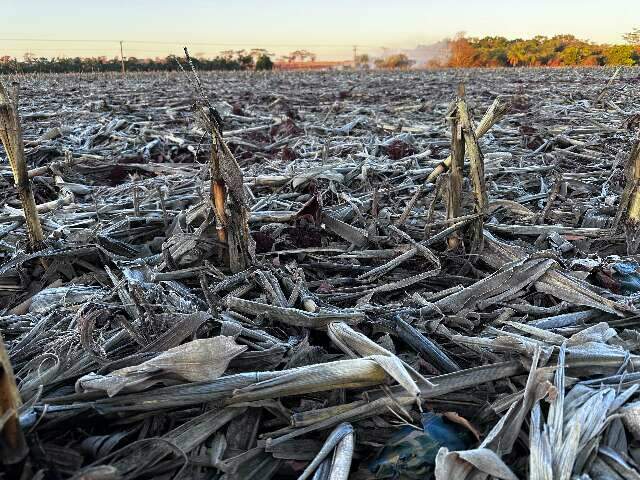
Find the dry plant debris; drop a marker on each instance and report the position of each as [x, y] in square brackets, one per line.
[323, 275]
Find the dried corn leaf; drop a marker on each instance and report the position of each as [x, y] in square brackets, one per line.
[195, 361]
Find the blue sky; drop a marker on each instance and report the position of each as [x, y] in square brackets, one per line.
[327, 27]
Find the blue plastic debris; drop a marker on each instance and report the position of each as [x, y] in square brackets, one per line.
[628, 275]
[411, 454]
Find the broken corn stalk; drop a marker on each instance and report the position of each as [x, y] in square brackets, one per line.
[493, 115]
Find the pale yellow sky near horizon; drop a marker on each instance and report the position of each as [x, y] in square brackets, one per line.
[329, 28]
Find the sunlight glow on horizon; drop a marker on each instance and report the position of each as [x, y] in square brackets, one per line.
[328, 28]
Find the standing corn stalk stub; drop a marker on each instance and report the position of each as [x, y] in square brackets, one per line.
[629, 208]
[239, 241]
[454, 190]
[227, 187]
[476, 164]
[13, 447]
[12, 140]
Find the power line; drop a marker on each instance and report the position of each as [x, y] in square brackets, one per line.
[115, 51]
[147, 48]
[211, 44]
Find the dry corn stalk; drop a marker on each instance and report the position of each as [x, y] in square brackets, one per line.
[454, 191]
[341, 441]
[236, 214]
[476, 163]
[629, 208]
[355, 373]
[13, 446]
[493, 115]
[218, 192]
[227, 185]
[341, 463]
[11, 137]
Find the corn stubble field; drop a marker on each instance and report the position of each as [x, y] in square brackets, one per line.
[321, 275]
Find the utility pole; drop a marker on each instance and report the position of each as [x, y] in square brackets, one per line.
[355, 56]
[121, 58]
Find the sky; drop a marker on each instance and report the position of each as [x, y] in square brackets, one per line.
[329, 28]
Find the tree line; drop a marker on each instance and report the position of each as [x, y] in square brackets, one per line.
[257, 59]
[539, 51]
[462, 51]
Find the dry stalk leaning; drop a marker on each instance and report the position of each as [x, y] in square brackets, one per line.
[13, 446]
[603, 92]
[11, 137]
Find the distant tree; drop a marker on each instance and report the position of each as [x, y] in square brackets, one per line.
[264, 63]
[296, 54]
[362, 60]
[574, 55]
[256, 53]
[516, 55]
[302, 55]
[462, 53]
[619, 55]
[491, 51]
[397, 61]
[633, 38]
[245, 61]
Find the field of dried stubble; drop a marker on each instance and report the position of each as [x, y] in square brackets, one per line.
[375, 292]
